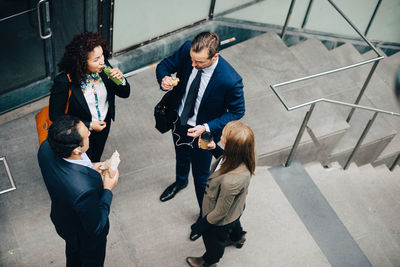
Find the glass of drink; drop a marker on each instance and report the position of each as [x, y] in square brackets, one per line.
[107, 71]
[205, 139]
[175, 80]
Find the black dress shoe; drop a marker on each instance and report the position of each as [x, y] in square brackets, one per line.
[194, 236]
[198, 262]
[239, 243]
[171, 191]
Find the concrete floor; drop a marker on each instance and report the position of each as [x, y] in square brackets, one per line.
[144, 231]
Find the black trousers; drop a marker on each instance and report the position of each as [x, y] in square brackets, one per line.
[214, 240]
[188, 153]
[97, 142]
[78, 257]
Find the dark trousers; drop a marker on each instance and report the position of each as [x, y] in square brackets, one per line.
[214, 240]
[185, 155]
[97, 142]
[78, 257]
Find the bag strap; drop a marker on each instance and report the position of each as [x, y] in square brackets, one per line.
[69, 94]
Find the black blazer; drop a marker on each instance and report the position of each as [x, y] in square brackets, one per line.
[79, 204]
[77, 102]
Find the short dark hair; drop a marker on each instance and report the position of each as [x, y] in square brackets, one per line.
[63, 135]
[208, 40]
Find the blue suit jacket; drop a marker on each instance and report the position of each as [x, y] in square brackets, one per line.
[223, 99]
[79, 204]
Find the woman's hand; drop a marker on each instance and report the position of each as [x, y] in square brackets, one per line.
[116, 73]
[98, 126]
[210, 146]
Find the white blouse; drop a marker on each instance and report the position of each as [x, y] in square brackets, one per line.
[95, 93]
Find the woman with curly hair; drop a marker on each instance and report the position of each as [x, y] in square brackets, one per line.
[92, 97]
[225, 194]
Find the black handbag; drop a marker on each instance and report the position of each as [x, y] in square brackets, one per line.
[164, 114]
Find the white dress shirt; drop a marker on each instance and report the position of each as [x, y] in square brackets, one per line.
[85, 161]
[205, 79]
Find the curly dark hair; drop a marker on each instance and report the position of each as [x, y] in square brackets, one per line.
[74, 60]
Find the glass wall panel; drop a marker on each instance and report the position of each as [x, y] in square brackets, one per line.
[386, 24]
[64, 29]
[23, 59]
[226, 5]
[138, 21]
[268, 11]
[325, 18]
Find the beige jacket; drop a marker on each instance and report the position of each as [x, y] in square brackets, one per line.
[225, 196]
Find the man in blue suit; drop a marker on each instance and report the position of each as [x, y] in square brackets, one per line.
[209, 94]
[80, 200]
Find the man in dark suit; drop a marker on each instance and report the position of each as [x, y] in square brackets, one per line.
[80, 200]
[208, 95]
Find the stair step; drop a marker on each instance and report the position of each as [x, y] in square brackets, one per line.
[387, 68]
[275, 63]
[378, 92]
[347, 199]
[314, 57]
[317, 214]
[391, 181]
[273, 226]
[379, 201]
[378, 137]
[277, 129]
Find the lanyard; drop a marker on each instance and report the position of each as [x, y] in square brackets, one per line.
[90, 81]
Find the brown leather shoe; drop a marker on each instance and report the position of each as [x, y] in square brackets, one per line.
[198, 262]
[238, 244]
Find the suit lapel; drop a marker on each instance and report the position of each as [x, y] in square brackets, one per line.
[211, 83]
[77, 92]
[213, 167]
[185, 77]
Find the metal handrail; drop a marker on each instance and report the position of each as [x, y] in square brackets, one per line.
[327, 100]
[308, 115]
[374, 60]
[314, 102]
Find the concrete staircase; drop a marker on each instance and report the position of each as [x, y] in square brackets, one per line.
[266, 60]
[366, 201]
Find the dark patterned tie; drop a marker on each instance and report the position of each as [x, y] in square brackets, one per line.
[188, 109]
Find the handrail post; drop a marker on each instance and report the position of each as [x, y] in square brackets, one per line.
[299, 135]
[307, 14]
[211, 11]
[371, 72]
[395, 162]
[360, 140]
[372, 17]
[287, 19]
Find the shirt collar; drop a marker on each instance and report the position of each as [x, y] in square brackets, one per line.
[209, 70]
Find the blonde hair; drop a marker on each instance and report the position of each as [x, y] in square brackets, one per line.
[239, 147]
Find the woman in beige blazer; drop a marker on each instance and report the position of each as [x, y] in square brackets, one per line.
[225, 194]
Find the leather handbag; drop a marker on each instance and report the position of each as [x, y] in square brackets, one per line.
[43, 121]
[163, 113]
